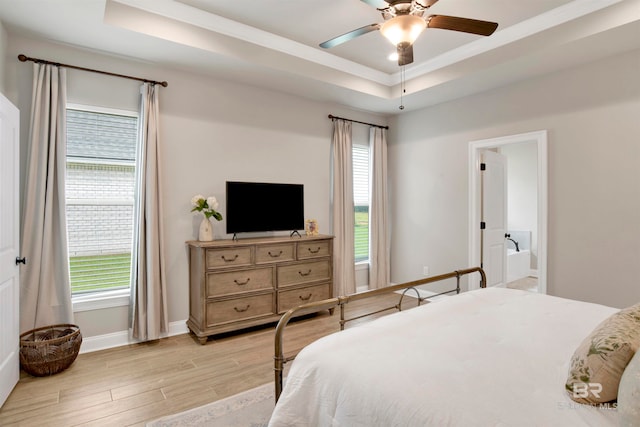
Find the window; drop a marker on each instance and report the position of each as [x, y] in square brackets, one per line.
[361, 201]
[100, 184]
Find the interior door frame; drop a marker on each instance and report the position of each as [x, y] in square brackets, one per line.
[475, 147]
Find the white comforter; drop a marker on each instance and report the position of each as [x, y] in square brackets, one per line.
[491, 357]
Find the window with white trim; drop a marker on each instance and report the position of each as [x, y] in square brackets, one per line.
[361, 193]
[100, 185]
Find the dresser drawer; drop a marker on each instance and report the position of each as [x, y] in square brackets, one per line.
[239, 308]
[296, 297]
[232, 282]
[303, 272]
[313, 249]
[228, 257]
[274, 253]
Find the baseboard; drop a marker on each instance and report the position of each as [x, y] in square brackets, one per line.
[362, 288]
[533, 273]
[117, 339]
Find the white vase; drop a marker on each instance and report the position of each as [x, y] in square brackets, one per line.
[205, 233]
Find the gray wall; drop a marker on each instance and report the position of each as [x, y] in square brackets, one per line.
[3, 52]
[592, 114]
[211, 131]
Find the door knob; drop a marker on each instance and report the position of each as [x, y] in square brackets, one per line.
[22, 260]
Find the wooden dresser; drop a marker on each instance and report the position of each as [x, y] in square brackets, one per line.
[248, 282]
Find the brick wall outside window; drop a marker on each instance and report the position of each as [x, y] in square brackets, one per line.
[99, 208]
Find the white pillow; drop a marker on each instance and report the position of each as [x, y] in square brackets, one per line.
[629, 394]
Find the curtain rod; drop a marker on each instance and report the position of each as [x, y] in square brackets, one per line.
[332, 117]
[24, 58]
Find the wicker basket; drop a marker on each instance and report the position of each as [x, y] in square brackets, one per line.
[50, 349]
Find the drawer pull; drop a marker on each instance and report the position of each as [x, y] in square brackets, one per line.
[304, 274]
[314, 252]
[274, 255]
[307, 298]
[230, 259]
[241, 283]
[242, 310]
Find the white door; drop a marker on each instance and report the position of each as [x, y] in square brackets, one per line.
[494, 217]
[9, 248]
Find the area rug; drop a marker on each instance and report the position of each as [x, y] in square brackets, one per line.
[251, 408]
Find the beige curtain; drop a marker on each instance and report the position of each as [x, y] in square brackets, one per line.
[343, 215]
[149, 317]
[379, 276]
[45, 292]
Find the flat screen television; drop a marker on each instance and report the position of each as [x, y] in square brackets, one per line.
[259, 206]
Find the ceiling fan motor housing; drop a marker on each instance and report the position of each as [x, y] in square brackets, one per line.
[403, 7]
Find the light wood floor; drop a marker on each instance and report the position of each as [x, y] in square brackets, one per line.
[134, 384]
[525, 284]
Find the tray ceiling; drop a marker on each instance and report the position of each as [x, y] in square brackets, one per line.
[274, 43]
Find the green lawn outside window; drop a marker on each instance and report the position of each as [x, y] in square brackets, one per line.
[99, 272]
[361, 233]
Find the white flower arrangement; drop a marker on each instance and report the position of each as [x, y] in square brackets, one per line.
[207, 206]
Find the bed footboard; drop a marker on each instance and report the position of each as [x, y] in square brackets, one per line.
[331, 303]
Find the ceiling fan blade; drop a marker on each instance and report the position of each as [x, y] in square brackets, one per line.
[378, 4]
[349, 36]
[405, 55]
[427, 3]
[465, 25]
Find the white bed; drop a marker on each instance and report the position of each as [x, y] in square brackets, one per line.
[491, 357]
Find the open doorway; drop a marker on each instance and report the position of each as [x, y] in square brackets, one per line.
[529, 231]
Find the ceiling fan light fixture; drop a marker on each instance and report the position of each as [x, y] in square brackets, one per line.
[403, 29]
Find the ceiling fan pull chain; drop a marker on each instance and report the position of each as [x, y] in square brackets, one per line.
[402, 87]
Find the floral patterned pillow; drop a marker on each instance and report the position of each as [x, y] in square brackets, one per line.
[629, 394]
[599, 362]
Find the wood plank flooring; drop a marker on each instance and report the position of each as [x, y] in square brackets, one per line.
[131, 385]
[525, 284]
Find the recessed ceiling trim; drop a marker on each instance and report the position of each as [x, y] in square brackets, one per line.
[124, 16]
[537, 24]
[184, 12]
[176, 10]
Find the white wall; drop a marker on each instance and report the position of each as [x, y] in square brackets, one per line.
[592, 115]
[211, 131]
[522, 191]
[3, 52]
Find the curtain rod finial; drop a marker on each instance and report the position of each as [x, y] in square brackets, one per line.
[164, 84]
[22, 58]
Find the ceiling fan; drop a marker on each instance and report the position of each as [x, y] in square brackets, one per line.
[404, 21]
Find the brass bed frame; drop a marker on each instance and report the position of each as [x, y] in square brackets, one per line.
[331, 303]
